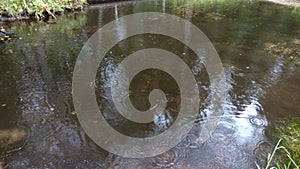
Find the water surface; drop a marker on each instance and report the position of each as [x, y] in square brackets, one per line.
[254, 41]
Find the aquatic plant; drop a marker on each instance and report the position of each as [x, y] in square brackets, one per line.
[286, 153]
[289, 131]
[288, 50]
[279, 165]
[37, 8]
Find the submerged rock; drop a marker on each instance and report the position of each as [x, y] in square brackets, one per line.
[5, 35]
[2, 165]
[12, 139]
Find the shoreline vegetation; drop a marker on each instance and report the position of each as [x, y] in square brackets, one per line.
[272, 161]
[289, 132]
[11, 10]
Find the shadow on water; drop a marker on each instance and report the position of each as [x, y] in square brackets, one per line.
[36, 72]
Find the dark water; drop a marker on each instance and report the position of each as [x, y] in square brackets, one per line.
[36, 73]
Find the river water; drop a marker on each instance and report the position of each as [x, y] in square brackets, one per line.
[258, 44]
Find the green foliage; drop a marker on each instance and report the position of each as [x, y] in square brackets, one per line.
[18, 8]
[289, 131]
[290, 163]
[286, 154]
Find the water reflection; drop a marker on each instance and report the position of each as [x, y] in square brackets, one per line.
[37, 93]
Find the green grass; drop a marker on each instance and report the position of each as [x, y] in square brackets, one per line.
[37, 8]
[286, 154]
[290, 163]
[289, 131]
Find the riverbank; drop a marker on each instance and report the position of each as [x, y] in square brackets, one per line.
[11, 10]
[295, 3]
